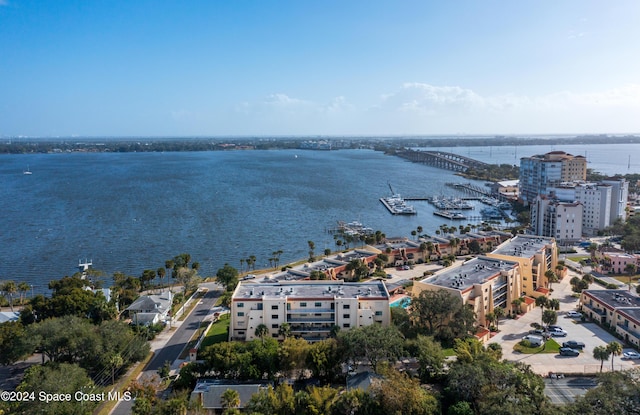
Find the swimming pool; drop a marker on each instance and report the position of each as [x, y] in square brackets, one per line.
[403, 302]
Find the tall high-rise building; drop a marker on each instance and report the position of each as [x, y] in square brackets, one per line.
[539, 172]
[619, 197]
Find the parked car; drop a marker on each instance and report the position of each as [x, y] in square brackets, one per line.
[573, 344]
[553, 328]
[568, 351]
[574, 314]
[631, 355]
[538, 332]
[558, 333]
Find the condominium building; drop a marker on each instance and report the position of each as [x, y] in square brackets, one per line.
[310, 308]
[536, 255]
[618, 309]
[560, 220]
[484, 283]
[539, 172]
[619, 198]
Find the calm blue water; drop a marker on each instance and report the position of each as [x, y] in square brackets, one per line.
[132, 211]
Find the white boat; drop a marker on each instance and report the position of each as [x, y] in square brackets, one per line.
[27, 171]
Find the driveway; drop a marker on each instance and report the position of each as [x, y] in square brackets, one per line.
[592, 335]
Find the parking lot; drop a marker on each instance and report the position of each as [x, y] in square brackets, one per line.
[592, 335]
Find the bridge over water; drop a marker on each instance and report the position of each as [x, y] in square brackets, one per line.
[441, 159]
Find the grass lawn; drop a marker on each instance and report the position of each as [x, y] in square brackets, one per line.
[578, 258]
[551, 346]
[218, 332]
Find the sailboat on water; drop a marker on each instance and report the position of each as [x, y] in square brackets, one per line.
[27, 171]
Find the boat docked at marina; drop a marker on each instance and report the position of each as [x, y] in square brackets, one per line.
[450, 214]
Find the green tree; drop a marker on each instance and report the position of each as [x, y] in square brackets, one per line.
[312, 247]
[358, 269]
[430, 310]
[400, 394]
[615, 349]
[227, 276]
[552, 277]
[631, 270]
[549, 317]
[9, 288]
[374, 343]
[230, 399]
[616, 393]
[498, 312]
[14, 343]
[601, 353]
[293, 354]
[542, 302]
[23, 288]
[261, 331]
[284, 330]
[56, 378]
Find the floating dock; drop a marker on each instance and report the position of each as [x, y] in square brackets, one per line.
[396, 206]
[450, 215]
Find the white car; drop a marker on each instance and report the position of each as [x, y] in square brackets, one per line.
[631, 355]
[574, 314]
[558, 333]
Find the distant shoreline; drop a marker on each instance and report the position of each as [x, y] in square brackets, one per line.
[140, 144]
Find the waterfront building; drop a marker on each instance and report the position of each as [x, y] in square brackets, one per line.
[310, 308]
[484, 283]
[536, 255]
[560, 220]
[539, 172]
[617, 309]
[150, 309]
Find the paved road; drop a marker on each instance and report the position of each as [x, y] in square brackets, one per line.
[169, 345]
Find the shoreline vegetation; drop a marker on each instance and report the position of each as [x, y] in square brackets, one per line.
[23, 145]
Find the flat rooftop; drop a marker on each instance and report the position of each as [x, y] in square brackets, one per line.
[616, 298]
[310, 289]
[475, 271]
[523, 246]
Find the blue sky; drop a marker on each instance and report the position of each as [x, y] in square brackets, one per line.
[218, 68]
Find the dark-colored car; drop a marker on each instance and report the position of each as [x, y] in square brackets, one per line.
[573, 344]
[567, 351]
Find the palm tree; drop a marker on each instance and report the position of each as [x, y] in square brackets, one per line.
[9, 288]
[553, 304]
[230, 399]
[161, 274]
[241, 265]
[499, 313]
[516, 303]
[601, 353]
[284, 330]
[24, 288]
[542, 302]
[631, 270]
[261, 332]
[490, 317]
[615, 349]
[551, 277]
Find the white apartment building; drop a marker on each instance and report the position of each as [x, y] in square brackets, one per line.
[560, 220]
[619, 198]
[596, 206]
[311, 308]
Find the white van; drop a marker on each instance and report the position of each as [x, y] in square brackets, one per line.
[536, 341]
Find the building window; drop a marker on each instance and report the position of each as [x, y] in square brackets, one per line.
[346, 316]
[240, 313]
[274, 326]
[318, 305]
[274, 307]
[303, 304]
[346, 306]
[346, 325]
[240, 305]
[378, 313]
[274, 316]
[259, 306]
